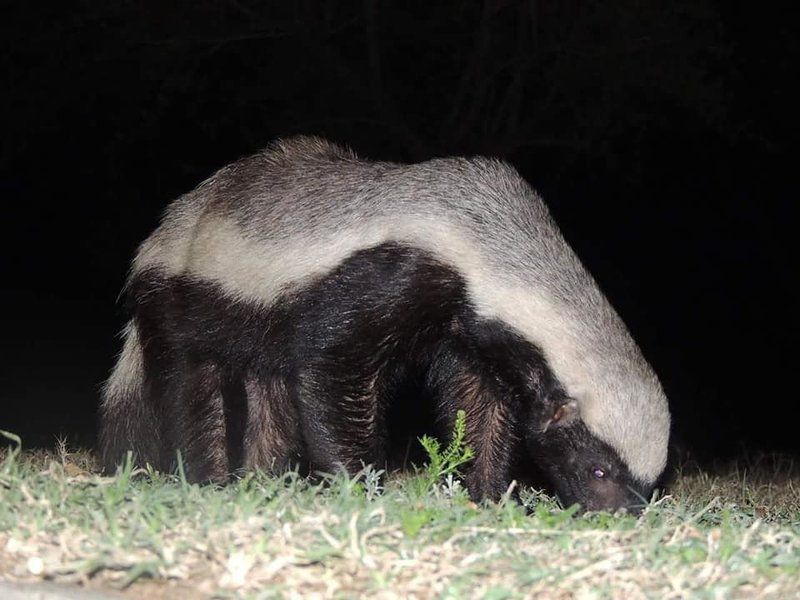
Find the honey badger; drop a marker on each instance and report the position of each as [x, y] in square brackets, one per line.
[280, 306]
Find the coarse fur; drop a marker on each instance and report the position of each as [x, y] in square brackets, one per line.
[449, 272]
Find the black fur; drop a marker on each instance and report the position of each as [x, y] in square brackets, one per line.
[568, 455]
[341, 373]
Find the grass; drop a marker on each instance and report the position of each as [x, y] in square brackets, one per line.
[726, 535]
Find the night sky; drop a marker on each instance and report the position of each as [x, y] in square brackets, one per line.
[661, 135]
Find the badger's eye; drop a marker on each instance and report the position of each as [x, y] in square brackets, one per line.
[559, 414]
[598, 473]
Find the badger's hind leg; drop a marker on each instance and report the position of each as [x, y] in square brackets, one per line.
[186, 385]
[158, 402]
[128, 421]
[272, 438]
[186, 395]
[201, 423]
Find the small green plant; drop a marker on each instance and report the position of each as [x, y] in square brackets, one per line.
[442, 464]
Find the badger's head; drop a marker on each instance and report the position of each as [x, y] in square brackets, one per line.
[595, 433]
[605, 461]
[595, 425]
[581, 467]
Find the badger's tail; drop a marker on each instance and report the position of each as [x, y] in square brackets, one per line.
[127, 420]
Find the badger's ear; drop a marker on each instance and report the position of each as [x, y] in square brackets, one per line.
[564, 414]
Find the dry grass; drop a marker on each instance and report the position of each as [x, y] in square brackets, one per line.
[735, 534]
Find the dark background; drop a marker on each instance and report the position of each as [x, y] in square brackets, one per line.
[660, 134]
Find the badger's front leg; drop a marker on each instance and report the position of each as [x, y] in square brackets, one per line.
[337, 397]
[458, 381]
